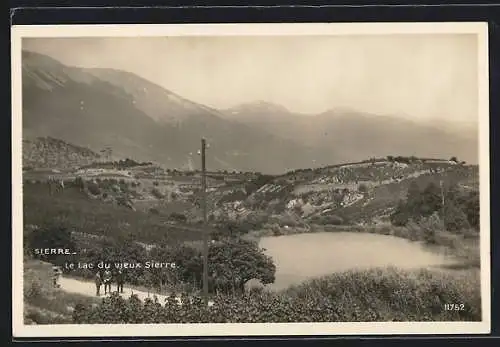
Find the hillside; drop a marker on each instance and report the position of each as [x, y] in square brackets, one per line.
[360, 135]
[48, 153]
[97, 108]
[352, 193]
[161, 203]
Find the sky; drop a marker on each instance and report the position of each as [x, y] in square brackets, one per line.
[417, 76]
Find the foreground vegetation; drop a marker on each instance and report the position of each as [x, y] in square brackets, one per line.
[363, 296]
[44, 304]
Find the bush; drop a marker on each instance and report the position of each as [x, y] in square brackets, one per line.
[93, 188]
[157, 194]
[177, 217]
[33, 291]
[472, 209]
[363, 188]
[400, 216]
[455, 218]
[332, 220]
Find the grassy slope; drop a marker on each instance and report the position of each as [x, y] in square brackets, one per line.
[77, 211]
[376, 202]
[54, 153]
[45, 304]
[394, 295]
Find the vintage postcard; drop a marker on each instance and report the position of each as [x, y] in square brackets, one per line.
[250, 179]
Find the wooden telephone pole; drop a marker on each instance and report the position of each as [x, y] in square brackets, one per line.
[442, 202]
[205, 234]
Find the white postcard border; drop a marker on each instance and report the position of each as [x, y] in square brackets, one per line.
[242, 329]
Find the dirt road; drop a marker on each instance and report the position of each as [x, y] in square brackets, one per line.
[88, 288]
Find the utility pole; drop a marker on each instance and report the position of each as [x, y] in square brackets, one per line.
[205, 234]
[442, 202]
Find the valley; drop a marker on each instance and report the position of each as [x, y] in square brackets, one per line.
[340, 199]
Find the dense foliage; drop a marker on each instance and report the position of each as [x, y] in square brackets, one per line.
[460, 209]
[232, 262]
[49, 237]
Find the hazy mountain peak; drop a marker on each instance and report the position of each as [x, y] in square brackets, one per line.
[143, 121]
[259, 106]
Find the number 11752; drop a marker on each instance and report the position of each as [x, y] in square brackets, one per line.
[454, 307]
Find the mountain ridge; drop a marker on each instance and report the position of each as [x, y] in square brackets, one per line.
[101, 107]
[344, 128]
[73, 105]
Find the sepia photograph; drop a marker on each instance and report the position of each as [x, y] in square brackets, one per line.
[250, 179]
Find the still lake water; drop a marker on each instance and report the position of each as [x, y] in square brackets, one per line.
[303, 256]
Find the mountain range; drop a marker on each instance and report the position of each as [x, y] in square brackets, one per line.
[138, 119]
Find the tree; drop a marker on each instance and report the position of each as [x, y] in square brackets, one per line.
[51, 237]
[242, 260]
[414, 199]
[231, 263]
[119, 250]
[400, 216]
[431, 200]
[454, 217]
[472, 209]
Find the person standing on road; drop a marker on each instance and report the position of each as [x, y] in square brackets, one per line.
[98, 282]
[107, 281]
[56, 276]
[120, 279]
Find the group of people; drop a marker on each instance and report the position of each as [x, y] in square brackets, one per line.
[106, 278]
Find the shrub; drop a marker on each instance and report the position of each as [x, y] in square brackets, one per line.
[455, 218]
[400, 216]
[93, 188]
[472, 209]
[177, 217]
[332, 220]
[157, 194]
[33, 291]
[363, 188]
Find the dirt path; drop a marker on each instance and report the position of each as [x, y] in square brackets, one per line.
[88, 288]
[82, 287]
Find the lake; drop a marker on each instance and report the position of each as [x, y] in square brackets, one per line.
[303, 256]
